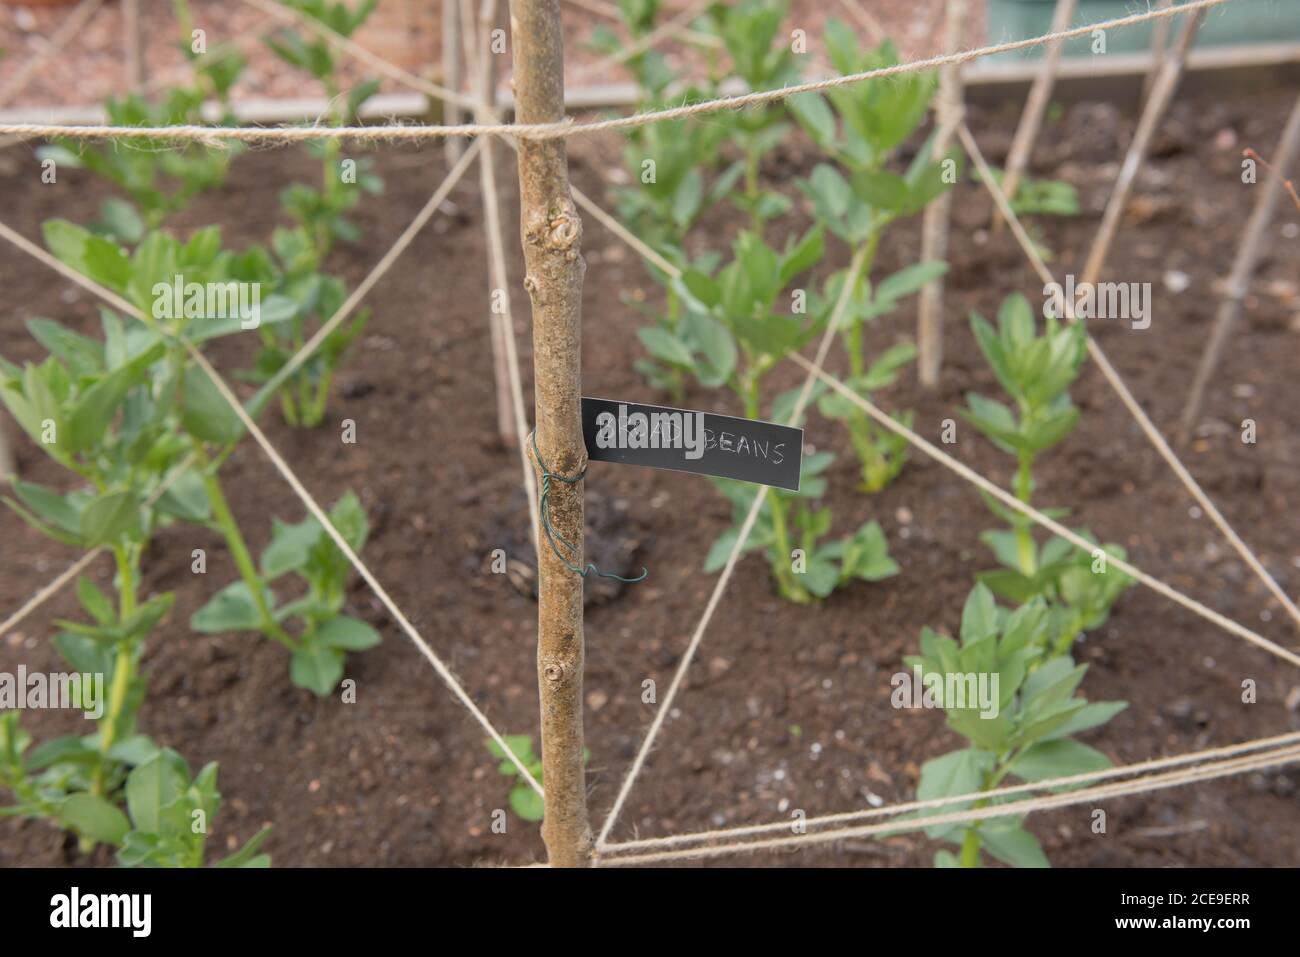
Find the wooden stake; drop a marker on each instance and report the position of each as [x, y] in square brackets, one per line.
[1159, 40]
[1243, 267]
[1031, 120]
[133, 42]
[479, 57]
[8, 468]
[552, 239]
[1161, 93]
[451, 73]
[934, 225]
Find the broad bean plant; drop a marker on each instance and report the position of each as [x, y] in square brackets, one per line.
[1036, 370]
[1019, 724]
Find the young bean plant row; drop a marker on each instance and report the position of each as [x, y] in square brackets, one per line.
[729, 320]
[141, 433]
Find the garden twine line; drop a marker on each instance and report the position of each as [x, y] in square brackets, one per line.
[1142, 785]
[1154, 764]
[563, 129]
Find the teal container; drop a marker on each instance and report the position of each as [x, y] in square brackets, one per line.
[1233, 23]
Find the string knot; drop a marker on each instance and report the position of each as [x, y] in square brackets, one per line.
[554, 538]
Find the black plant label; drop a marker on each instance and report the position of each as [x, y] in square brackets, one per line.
[661, 437]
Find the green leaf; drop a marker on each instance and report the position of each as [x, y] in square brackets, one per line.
[909, 280]
[95, 602]
[93, 817]
[109, 517]
[520, 745]
[349, 634]
[83, 355]
[665, 346]
[247, 855]
[880, 188]
[803, 255]
[67, 749]
[959, 772]
[316, 668]
[815, 117]
[712, 339]
[149, 789]
[527, 803]
[122, 220]
[820, 576]
[1057, 759]
[205, 414]
[95, 409]
[290, 547]
[49, 506]
[1014, 846]
[884, 371]
[979, 618]
[1090, 716]
[231, 609]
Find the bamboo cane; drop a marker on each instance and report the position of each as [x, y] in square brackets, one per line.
[451, 113]
[934, 225]
[8, 468]
[1243, 267]
[1040, 94]
[499, 324]
[133, 43]
[1159, 41]
[1162, 91]
[551, 231]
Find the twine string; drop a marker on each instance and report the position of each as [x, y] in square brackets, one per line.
[554, 538]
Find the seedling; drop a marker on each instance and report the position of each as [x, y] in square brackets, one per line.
[193, 418]
[751, 32]
[312, 298]
[861, 127]
[789, 528]
[1040, 197]
[321, 219]
[321, 213]
[169, 813]
[324, 636]
[1020, 728]
[1037, 370]
[160, 182]
[524, 801]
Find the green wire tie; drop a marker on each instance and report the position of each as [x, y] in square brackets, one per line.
[552, 536]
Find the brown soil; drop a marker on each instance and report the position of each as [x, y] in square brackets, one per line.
[786, 707]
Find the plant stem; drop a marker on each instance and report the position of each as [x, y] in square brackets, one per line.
[123, 671]
[786, 583]
[751, 188]
[225, 520]
[1024, 536]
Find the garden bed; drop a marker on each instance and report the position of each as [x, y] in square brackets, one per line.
[787, 707]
